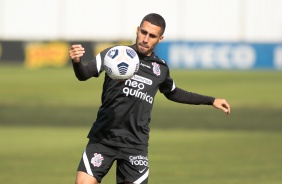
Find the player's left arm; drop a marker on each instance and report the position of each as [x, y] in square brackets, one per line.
[182, 96]
[176, 94]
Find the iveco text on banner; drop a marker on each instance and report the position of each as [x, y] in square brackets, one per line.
[221, 55]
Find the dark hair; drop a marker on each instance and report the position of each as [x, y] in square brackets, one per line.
[155, 19]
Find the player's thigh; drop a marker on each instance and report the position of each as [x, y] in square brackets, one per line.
[84, 178]
[96, 160]
[133, 166]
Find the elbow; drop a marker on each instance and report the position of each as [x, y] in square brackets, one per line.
[81, 78]
[168, 96]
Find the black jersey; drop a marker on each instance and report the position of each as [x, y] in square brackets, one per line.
[124, 116]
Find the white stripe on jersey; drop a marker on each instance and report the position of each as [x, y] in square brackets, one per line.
[99, 62]
[173, 86]
[142, 178]
[87, 164]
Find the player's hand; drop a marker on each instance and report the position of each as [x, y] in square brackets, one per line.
[76, 52]
[222, 104]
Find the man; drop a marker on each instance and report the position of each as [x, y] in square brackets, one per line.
[121, 130]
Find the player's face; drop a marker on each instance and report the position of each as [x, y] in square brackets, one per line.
[148, 36]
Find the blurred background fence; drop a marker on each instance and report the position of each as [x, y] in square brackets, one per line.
[213, 34]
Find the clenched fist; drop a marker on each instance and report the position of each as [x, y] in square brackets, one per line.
[76, 52]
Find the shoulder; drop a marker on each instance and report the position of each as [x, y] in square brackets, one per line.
[158, 60]
[104, 52]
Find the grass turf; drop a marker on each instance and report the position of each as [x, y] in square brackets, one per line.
[55, 97]
[45, 116]
[32, 155]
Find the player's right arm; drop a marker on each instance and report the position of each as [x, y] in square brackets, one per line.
[82, 72]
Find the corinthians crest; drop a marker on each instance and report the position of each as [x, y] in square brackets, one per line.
[156, 68]
[97, 160]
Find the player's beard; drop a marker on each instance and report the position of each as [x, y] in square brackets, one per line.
[143, 48]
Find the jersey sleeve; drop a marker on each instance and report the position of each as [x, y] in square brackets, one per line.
[186, 97]
[168, 85]
[176, 94]
[92, 69]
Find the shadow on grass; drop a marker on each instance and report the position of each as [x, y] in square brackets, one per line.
[189, 117]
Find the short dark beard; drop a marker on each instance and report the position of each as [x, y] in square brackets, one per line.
[136, 46]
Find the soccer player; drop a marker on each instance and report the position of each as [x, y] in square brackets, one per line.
[121, 130]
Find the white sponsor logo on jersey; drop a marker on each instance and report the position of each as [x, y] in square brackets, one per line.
[135, 89]
[142, 79]
[144, 65]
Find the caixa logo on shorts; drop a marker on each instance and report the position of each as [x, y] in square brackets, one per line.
[97, 160]
[139, 160]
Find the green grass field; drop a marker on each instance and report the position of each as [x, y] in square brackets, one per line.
[45, 116]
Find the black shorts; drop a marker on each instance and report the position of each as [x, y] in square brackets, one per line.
[132, 164]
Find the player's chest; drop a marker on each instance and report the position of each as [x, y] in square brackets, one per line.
[151, 71]
[146, 81]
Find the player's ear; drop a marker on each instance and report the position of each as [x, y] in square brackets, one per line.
[161, 38]
[137, 30]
